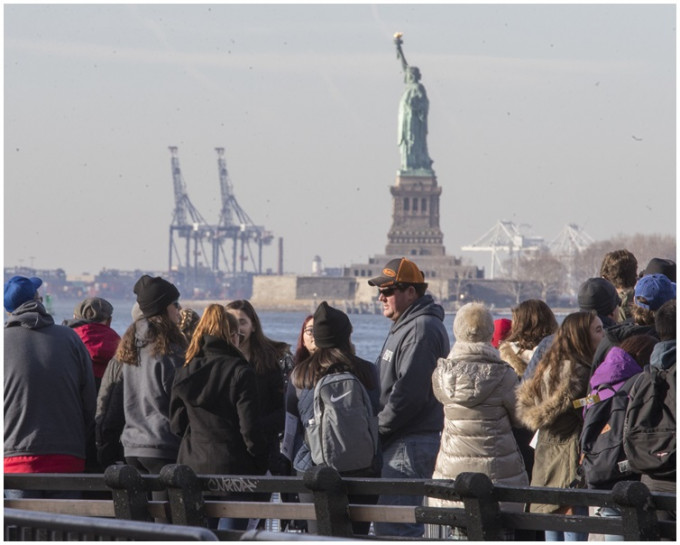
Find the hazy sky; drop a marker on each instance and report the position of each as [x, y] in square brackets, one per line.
[540, 114]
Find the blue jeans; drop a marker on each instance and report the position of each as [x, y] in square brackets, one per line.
[408, 457]
[552, 535]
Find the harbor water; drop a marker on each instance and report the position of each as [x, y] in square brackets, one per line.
[369, 330]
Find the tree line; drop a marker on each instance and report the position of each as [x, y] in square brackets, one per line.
[557, 277]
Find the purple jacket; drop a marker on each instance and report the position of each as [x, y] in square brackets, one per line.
[616, 368]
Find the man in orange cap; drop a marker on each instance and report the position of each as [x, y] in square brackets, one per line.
[411, 418]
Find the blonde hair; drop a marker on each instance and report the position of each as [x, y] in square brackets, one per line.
[213, 322]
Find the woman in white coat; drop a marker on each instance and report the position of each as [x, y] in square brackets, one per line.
[477, 390]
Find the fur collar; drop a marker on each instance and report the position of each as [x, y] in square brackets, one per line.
[544, 409]
[509, 354]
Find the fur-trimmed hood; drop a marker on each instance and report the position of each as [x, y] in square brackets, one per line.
[542, 410]
[516, 359]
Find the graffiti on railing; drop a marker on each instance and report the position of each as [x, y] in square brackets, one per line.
[226, 484]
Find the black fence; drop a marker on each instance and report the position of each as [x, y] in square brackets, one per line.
[481, 515]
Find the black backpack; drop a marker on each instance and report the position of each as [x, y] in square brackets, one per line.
[602, 455]
[649, 428]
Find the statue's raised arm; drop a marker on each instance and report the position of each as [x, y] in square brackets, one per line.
[413, 110]
[400, 54]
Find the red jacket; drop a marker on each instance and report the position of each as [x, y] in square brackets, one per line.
[101, 342]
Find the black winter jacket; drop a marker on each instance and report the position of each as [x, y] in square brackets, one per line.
[214, 408]
[615, 335]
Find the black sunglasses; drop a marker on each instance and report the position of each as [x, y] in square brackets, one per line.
[390, 291]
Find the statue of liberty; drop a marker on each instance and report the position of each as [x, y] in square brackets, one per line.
[413, 109]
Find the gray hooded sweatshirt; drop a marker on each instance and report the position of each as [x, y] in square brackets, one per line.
[49, 387]
[146, 400]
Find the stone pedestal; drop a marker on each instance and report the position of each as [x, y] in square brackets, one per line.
[415, 216]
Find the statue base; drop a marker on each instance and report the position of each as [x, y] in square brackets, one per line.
[415, 215]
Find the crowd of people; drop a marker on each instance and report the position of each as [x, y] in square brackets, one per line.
[212, 391]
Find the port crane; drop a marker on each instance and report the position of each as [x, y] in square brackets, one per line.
[571, 242]
[234, 226]
[506, 237]
[187, 223]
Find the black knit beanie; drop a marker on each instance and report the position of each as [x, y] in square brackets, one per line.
[154, 295]
[598, 294]
[332, 327]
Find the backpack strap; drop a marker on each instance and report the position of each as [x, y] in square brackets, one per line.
[590, 400]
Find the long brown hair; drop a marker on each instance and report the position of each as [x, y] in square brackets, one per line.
[532, 320]
[639, 347]
[188, 320]
[326, 360]
[213, 322]
[264, 352]
[164, 335]
[572, 342]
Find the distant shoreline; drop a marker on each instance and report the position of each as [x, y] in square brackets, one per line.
[304, 307]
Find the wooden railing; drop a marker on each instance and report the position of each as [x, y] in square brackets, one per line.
[481, 515]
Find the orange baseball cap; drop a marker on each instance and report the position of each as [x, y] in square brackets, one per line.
[398, 271]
